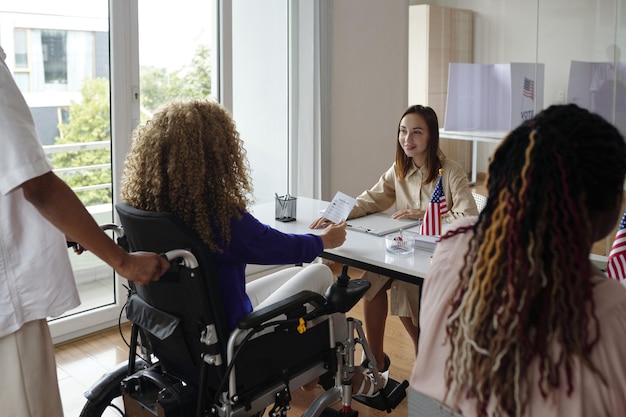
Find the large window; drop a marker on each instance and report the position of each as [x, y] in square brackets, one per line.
[60, 61]
[177, 63]
[92, 71]
[70, 60]
[260, 62]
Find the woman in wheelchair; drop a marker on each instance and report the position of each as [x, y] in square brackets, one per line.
[189, 160]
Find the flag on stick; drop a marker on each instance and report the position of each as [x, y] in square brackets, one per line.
[616, 265]
[431, 224]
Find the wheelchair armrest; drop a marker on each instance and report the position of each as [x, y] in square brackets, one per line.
[262, 315]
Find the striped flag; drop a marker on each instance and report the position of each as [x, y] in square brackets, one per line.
[431, 225]
[616, 265]
[529, 88]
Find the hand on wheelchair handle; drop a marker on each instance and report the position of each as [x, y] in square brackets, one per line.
[144, 267]
[78, 249]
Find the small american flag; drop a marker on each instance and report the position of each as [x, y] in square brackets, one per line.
[529, 88]
[616, 265]
[431, 225]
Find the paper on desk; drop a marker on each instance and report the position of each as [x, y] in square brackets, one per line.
[339, 208]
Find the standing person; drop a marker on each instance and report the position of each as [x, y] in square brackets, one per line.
[190, 161]
[36, 280]
[517, 321]
[409, 183]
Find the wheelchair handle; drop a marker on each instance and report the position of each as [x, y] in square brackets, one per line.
[189, 260]
[119, 231]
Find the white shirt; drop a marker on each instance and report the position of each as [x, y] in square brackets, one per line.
[36, 279]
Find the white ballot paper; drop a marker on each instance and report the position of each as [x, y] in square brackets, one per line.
[339, 208]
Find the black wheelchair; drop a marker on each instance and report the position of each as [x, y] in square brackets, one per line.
[184, 362]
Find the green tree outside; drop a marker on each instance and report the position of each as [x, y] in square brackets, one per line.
[158, 86]
[89, 120]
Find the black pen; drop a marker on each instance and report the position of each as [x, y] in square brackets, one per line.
[360, 227]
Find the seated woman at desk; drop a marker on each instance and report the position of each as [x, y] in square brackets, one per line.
[189, 160]
[409, 183]
[524, 324]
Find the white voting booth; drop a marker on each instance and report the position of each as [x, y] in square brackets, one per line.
[600, 87]
[492, 97]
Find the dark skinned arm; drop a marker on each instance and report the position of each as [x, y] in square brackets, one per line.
[56, 201]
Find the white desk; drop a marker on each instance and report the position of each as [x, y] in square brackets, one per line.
[360, 250]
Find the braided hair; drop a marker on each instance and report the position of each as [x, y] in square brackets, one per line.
[526, 282]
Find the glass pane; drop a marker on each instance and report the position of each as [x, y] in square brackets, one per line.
[534, 54]
[260, 91]
[21, 49]
[177, 63]
[23, 80]
[582, 69]
[69, 97]
[53, 47]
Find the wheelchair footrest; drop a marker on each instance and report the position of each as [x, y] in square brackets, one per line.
[149, 393]
[394, 393]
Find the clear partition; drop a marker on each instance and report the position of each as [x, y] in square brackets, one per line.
[488, 65]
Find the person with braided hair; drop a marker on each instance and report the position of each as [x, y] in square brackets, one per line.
[515, 318]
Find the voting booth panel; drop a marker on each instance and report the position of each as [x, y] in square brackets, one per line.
[493, 97]
[600, 87]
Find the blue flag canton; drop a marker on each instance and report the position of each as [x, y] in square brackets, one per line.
[622, 224]
[438, 193]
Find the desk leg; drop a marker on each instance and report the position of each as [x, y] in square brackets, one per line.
[419, 309]
[474, 160]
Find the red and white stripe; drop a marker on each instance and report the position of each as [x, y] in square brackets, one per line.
[431, 224]
[616, 265]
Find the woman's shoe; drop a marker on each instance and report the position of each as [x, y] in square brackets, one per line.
[368, 387]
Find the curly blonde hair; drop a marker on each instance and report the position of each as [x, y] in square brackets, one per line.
[189, 160]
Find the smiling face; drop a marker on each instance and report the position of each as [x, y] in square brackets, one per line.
[413, 136]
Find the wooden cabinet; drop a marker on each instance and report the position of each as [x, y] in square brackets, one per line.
[437, 37]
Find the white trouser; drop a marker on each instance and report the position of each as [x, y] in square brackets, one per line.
[28, 373]
[284, 283]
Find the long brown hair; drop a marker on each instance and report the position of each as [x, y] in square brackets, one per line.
[434, 156]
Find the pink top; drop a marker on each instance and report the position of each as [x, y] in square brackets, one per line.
[591, 397]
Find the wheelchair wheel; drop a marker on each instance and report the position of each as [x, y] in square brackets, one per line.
[96, 407]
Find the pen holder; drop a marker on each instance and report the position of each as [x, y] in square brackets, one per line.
[285, 208]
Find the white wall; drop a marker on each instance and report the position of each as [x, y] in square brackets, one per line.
[369, 82]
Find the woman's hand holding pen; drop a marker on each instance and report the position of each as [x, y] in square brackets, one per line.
[334, 235]
[415, 214]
